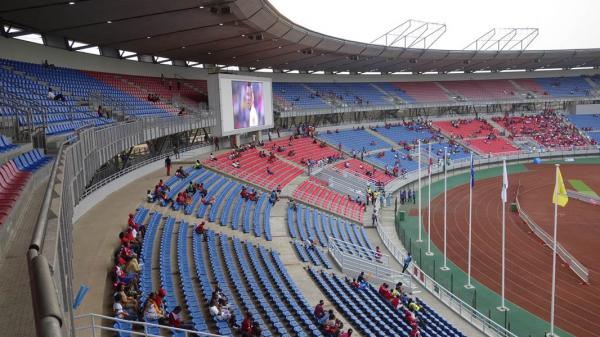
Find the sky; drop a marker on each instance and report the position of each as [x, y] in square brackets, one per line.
[562, 24]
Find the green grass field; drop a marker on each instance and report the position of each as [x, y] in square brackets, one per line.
[582, 187]
[518, 320]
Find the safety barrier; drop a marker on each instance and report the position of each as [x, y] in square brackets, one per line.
[99, 325]
[578, 268]
[584, 197]
[354, 264]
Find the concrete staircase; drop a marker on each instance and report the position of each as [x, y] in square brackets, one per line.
[395, 99]
[331, 101]
[445, 90]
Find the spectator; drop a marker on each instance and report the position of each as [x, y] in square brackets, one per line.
[152, 310]
[256, 329]
[378, 254]
[246, 328]
[407, 261]
[180, 173]
[414, 332]
[219, 312]
[176, 321]
[118, 309]
[319, 310]
[347, 333]
[168, 165]
[150, 197]
[385, 291]
[413, 306]
[200, 229]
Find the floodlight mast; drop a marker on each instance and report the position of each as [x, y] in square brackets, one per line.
[412, 34]
[500, 39]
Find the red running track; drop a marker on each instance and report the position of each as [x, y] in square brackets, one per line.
[529, 263]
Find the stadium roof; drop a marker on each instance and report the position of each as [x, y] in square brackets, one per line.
[251, 34]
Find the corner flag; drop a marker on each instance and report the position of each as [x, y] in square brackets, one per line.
[560, 196]
[504, 181]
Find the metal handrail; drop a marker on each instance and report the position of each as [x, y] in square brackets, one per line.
[47, 311]
[94, 318]
[99, 184]
[359, 263]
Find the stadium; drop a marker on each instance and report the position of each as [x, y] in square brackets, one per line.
[213, 168]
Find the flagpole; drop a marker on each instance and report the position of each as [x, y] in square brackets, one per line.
[445, 267]
[553, 294]
[419, 190]
[502, 306]
[429, 252]
[469, 285]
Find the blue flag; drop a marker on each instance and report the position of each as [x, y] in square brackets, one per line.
[472, 172]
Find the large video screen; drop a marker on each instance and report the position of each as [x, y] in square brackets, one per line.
[248, 107]
[245, 103]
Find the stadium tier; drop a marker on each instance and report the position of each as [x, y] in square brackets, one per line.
[307, 95]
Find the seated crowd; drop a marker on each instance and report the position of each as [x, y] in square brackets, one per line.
[127, 299]
[328, 323]
[398, 299]
[547, 128]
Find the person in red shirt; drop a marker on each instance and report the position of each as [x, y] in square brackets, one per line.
[414, 332]
[160, 298]
[131, 222]
[395, 302]
[385, 291]
[200, 230]
[176, 321]
[246, 328]
[319, 310]
[409, 318]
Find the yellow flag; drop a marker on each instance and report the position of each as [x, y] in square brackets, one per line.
[561, 198]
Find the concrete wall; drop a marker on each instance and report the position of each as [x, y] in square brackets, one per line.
[587, 109]
[34, 53]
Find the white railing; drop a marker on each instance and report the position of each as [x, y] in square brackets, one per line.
[578, 268]
[460, 307]
[99, 325]
[89, 190]
[411, 176]
[584, 197]
[363, 260]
